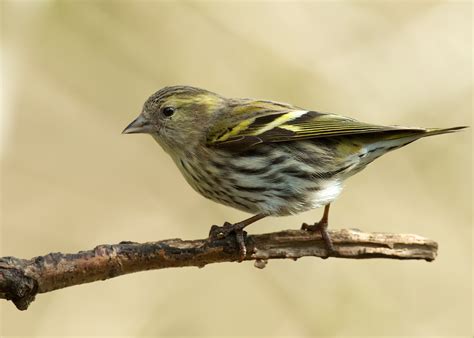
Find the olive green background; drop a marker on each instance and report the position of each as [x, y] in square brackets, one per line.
[75, 73]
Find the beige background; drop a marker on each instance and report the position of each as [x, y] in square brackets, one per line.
[76, 73]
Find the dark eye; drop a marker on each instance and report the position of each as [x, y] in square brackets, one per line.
[168, 111]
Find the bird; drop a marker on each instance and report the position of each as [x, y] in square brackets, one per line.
[264, 157]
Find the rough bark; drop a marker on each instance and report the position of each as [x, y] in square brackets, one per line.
[22, 279]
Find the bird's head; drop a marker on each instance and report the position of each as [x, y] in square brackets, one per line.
[177, 117]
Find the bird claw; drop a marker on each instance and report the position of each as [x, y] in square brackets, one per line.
[221, 232]
[321, 227]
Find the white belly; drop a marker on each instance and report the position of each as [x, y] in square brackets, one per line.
[327, 194]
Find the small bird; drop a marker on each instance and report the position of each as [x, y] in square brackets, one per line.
[264, 157]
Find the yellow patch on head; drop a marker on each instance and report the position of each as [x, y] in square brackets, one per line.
[183, 100]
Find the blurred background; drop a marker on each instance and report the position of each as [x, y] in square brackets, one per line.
[75, 73]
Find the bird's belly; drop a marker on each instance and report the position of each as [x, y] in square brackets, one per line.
[273, 193]
[299, 201]
[328, 193]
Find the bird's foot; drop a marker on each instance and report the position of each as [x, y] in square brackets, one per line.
[321, 227]
[221, 232]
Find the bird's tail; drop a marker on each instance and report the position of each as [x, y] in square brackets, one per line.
[417, 133]
[395, 139]
[439, 131]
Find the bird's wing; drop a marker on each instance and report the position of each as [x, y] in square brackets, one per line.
[283, 126]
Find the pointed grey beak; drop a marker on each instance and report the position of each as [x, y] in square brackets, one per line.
[139, 125]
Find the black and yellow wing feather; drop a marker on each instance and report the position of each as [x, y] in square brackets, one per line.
[243, 130]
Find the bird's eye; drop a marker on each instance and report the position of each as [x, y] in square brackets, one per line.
[168, 111]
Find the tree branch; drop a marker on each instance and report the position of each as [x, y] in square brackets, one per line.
[22, 279]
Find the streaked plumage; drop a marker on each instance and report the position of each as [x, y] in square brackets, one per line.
[264, 157]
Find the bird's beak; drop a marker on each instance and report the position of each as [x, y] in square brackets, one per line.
[139, 125]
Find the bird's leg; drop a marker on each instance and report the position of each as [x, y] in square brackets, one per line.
[322, 227]
[218, 232]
